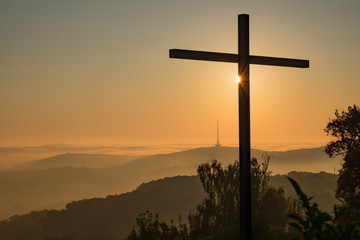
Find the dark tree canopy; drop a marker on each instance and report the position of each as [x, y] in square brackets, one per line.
[345, 128]
[150, 228]
[348, 185]
[218, 216]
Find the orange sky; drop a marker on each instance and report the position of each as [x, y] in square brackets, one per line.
[98, 72]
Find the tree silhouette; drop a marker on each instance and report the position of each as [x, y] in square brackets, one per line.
[218, 216]
[348, 185]
[346, 130]
[150, 228]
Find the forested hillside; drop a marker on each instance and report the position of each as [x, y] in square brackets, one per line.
[114, 216]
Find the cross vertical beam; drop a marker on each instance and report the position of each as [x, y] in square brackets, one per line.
[244, 126]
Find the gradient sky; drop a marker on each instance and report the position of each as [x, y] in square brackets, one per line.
[98, 72]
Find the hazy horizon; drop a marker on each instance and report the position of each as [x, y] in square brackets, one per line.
[51, 182]
[12, 156]
[71, 71]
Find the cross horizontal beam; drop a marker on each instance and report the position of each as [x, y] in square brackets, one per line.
[234, 58]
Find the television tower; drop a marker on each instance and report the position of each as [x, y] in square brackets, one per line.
[217, 142]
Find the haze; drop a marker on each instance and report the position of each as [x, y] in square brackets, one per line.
[98, 73]
[98, 124]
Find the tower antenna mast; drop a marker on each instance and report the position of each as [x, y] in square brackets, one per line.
[217, 128]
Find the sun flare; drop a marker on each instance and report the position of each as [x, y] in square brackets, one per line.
[238, 79]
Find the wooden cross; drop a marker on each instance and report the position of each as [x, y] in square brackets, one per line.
[243, 59]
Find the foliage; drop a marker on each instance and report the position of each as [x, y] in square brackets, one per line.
[348, 185]
[316, 224]
[218, 216]
[346, 129]
[149, 227]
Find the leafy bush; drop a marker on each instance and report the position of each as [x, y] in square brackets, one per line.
[316, 224]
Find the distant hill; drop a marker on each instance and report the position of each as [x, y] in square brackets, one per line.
[306, 160]
[52, 182]
[310, 160]
[114, 216]
[321, 186]
[76, 161]
[12, 156]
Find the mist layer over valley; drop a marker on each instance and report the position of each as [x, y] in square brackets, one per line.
[53, 182]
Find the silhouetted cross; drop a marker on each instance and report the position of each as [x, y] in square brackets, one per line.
[244, 60]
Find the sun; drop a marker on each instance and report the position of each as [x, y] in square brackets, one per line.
[238, 79]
